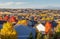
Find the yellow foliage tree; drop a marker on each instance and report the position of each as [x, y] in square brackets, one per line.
[7, 32]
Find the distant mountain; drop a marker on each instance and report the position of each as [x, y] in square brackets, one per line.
[49, 7]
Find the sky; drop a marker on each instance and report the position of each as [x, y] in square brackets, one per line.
[29, 3]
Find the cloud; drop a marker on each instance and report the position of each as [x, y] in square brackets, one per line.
[25, 5]
[11, 3]
[5, 4]
[18, 3]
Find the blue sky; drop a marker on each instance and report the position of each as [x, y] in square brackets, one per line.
[29, 3]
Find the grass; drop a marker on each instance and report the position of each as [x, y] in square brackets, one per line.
[39, 36]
